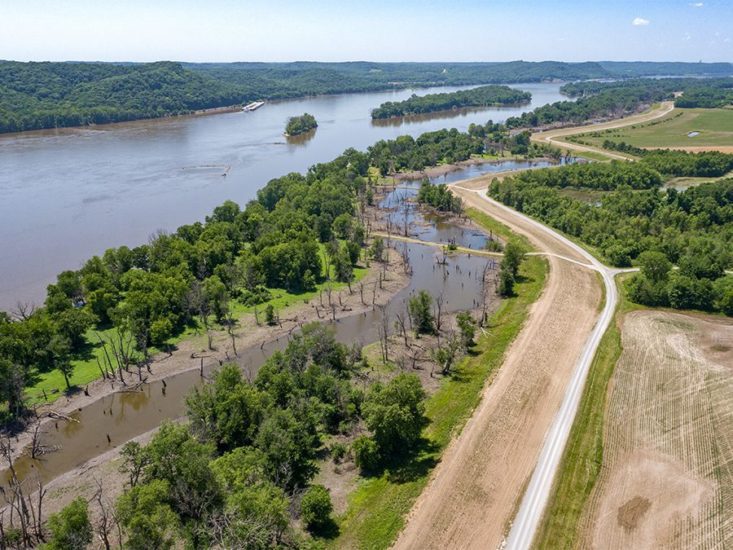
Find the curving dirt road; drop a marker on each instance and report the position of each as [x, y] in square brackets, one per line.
[555, 137]
[472, 496]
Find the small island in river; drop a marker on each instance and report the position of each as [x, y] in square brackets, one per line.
[298, 125]
[483, 96]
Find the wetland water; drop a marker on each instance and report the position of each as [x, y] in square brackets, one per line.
[69, 194]
[123, 416]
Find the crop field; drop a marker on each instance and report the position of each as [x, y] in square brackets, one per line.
[667, 476]
[714, 129]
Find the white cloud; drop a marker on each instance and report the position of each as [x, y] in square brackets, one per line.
[697, 4]
[640, 22]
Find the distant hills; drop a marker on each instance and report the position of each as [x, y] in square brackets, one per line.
[50, 94]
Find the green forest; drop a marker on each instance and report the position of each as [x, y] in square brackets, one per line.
[483, 96]
[53, 95]
[677, 163]
[300, 124]
[149, 294]
[632, 222]
[602, 100]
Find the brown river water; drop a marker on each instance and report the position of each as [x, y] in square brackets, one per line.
[68, 194]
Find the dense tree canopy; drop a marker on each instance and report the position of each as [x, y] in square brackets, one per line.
[692, 229]
[51, 95]
[483, 96]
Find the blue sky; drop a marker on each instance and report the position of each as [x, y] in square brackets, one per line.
[329, 30]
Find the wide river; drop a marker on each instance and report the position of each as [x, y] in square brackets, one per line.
[69, 194]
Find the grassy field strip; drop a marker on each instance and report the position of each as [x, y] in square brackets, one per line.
[595, 151]
[583, 456]
[378, 507]
[715, 127]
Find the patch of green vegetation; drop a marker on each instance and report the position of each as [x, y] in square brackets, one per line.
[494, 226]
[715, 127]
[86, 369]
[379, 505]
[683, 182]
[592, 155]
[583, 457]
[591, 196]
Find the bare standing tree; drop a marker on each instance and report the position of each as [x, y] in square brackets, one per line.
[401, 328]
[383, 331]
[438, 311]
[485, 292]
[23, 310]
[230, 323]
[108, 522]
[26, 509]
[361, 293]
[406, 208]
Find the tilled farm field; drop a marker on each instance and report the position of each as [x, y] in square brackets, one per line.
[667, 478]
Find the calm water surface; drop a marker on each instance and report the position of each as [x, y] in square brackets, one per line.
[69, 194]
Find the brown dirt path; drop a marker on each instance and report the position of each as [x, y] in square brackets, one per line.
[667, 480]
[474, 491]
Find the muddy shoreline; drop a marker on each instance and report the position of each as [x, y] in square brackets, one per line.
[191, 353]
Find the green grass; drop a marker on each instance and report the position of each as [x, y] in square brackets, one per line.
[490, 224]
[87, 371]
[378, 506]
[583, 457]
[590, 155]
[715, 127]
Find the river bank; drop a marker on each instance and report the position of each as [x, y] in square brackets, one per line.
[382, 282]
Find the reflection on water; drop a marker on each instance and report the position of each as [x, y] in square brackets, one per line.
[407, 120]
[301, 139]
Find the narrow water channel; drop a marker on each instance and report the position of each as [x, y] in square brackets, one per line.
[123, 416]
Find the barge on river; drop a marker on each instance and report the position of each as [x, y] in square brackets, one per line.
[253, 106]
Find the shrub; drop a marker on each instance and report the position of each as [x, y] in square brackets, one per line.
[70, 528]
[366, 453]
[316, 507]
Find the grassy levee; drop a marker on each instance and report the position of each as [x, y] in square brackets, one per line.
[583, 457]
[377, 508]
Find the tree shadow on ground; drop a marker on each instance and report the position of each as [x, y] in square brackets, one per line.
[328, 529]
[408, 466]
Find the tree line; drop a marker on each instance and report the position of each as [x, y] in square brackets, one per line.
[299, 231]
[603, 100]
[483, 96]
[677, 163]
[52, 95]
[691, 229]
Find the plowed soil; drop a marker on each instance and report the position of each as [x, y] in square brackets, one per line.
[667, 480]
